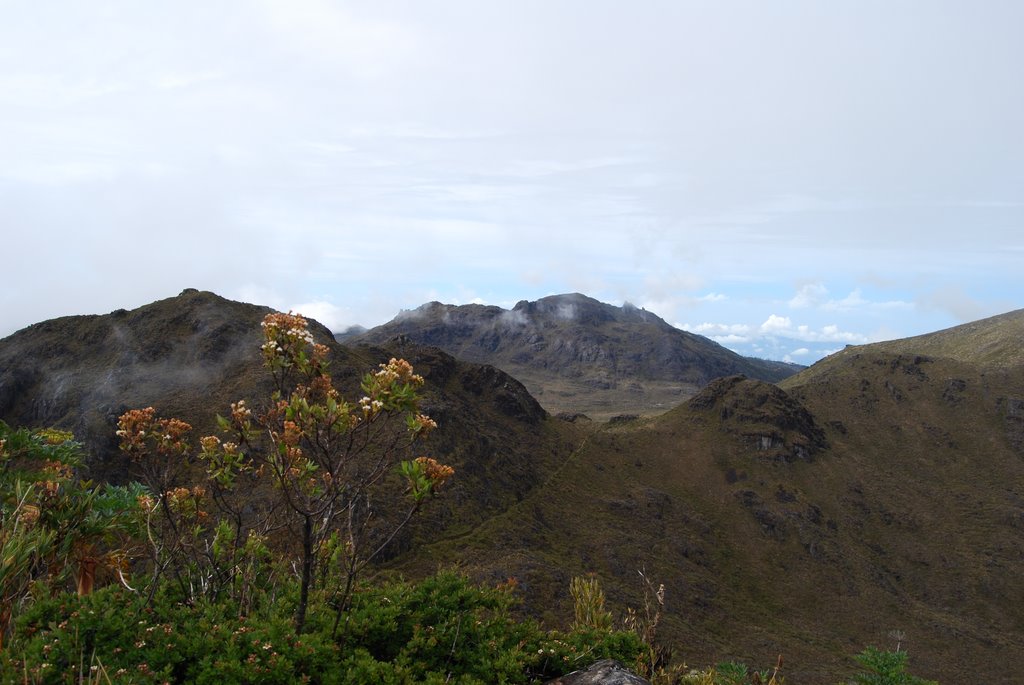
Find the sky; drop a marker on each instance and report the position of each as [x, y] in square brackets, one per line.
[785, 177]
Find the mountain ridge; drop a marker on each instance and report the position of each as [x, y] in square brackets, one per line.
[878, 490]
[575, 353]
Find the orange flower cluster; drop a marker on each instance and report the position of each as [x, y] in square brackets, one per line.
[186, 501]
[132, 427]
[174, 429]
[48, 489]
[321, 387]
[436, 472]
[58, 470]
[283, 332]
[398, 370]
[241, 416]
[136, 427]
[292, 434]
[294, 455]
[178, 495]
[423, 424]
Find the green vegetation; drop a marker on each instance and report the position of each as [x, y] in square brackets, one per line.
[880, 667]
[442, 629]
[245, 560]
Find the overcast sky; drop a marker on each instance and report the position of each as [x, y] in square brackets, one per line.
[784, 177]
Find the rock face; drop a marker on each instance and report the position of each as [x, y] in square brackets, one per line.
[769, 420]
[577, 354]
[604, 672]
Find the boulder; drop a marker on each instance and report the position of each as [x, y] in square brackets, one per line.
[604, 672]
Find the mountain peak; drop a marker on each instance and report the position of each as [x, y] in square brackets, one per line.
[575, 353]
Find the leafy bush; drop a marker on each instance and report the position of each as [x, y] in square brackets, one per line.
[445, 626]
[442, 629]
[881, 667]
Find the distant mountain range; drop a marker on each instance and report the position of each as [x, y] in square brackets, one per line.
[880, 490]
[577, 354]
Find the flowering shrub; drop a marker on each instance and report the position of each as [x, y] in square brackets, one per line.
[329, 461]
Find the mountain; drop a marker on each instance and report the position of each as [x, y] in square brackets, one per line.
[577, 354]
[879, 490]
[350, 332]
[190, 356]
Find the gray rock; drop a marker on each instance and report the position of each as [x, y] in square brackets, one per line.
[604, 672]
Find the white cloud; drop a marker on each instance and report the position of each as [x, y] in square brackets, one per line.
[809, 295]
[365, 47]
[513, 318]
[730, 339]
[547, 167]
[851, 301]
[816, 296]
[767, 338]
[172, 81]
[716, 329]
[962, 305]
[566, 311]
[775, 324]
[378, 155]
[327, 313]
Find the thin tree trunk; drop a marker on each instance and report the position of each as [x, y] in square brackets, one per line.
[307, 573]
[86, 576]
[5, 620]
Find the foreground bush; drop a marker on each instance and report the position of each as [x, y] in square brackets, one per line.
[443, 630]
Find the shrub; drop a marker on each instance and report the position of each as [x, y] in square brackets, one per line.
[442, 629]
[881, 667]
[447, 627]
[325, 461]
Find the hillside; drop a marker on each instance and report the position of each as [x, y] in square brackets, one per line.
[190, 356]
[993, 343]
[879, 490]
[883, 494]
[577, 354]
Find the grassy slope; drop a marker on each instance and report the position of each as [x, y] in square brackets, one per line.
[906, 514]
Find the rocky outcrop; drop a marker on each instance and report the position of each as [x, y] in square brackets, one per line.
[772, 423]
[604, 672]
